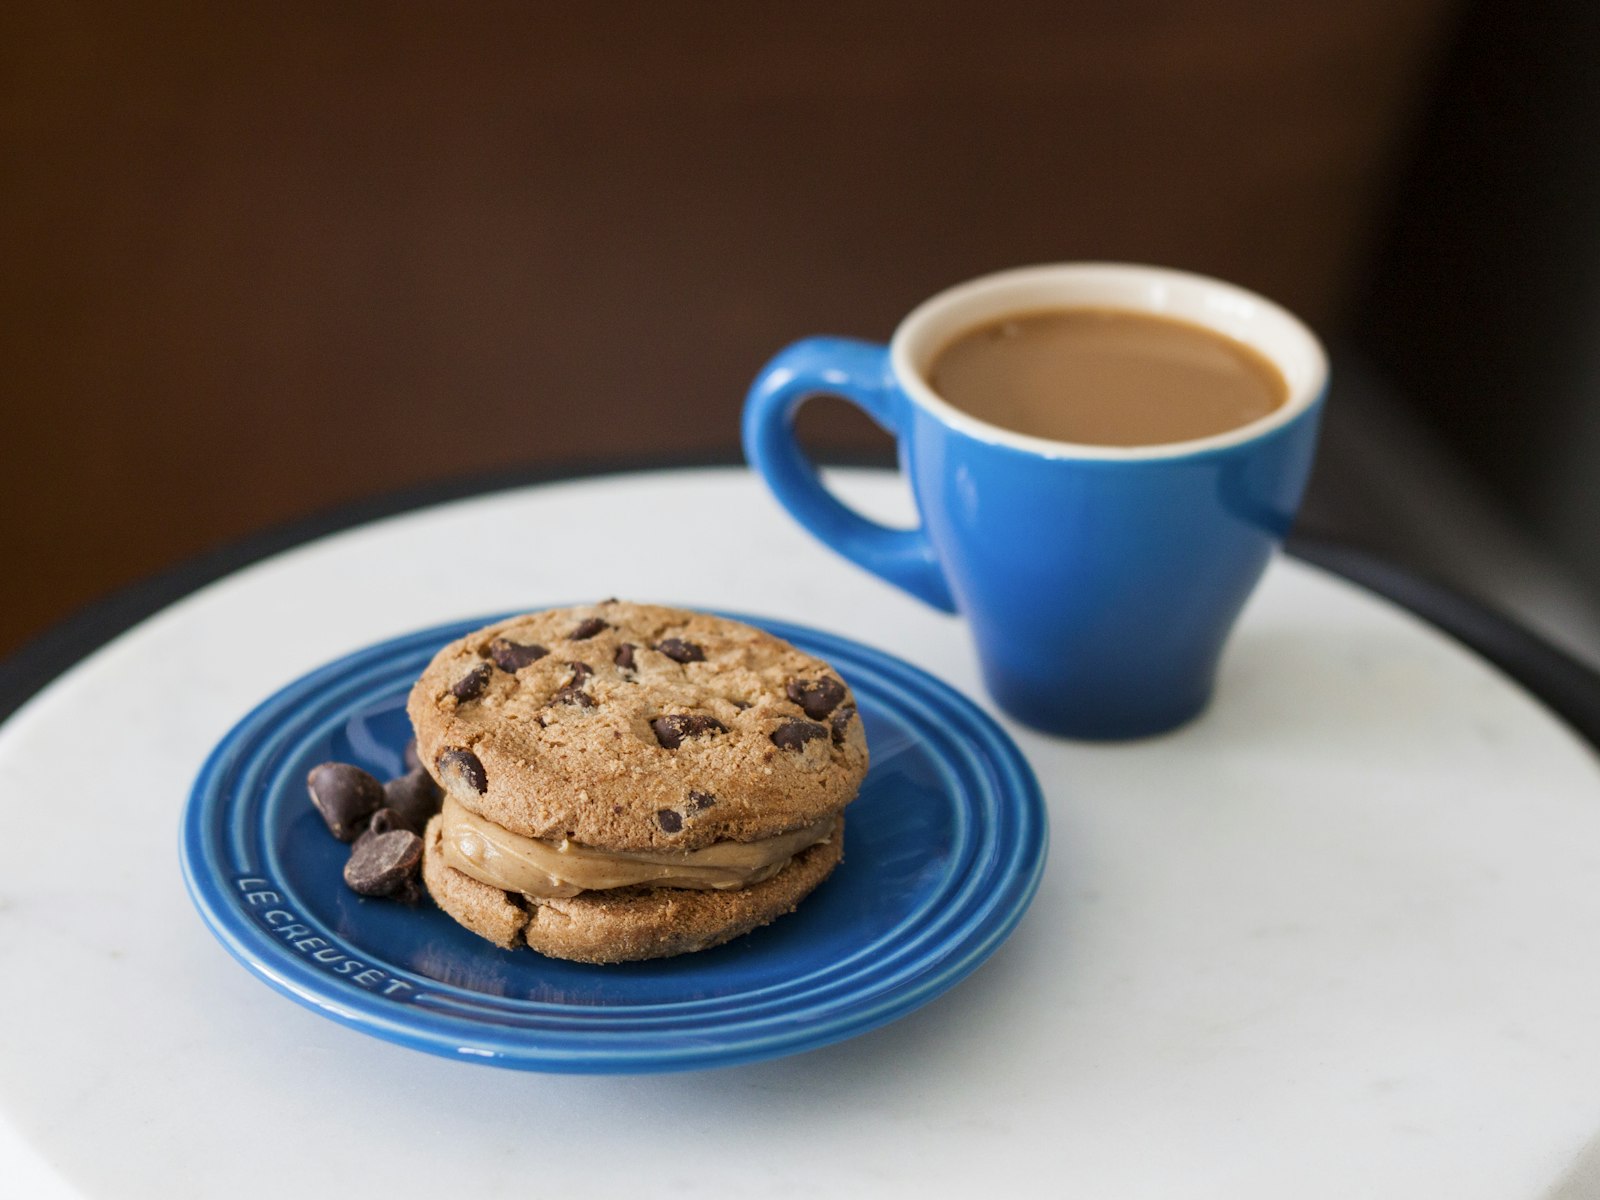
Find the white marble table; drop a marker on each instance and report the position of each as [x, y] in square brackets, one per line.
[1339, 938]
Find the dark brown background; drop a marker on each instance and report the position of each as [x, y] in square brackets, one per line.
[261, 259]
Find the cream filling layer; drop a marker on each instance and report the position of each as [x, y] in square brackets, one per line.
[546, 869]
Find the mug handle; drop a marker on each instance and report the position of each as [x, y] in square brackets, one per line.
[858, 372]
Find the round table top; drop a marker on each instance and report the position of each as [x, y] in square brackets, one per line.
[1335, 938]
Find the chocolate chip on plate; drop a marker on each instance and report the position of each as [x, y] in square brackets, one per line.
[414, 796]
[470, 686]
[669, 819]
[511, 656]
[345, 795]
[671, 731]
[818, 697]
[681, 651]
[385, 820]
[384, 864]
[793, 735]
[587, 629]
[466, 766]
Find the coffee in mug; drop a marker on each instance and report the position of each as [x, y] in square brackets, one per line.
[1106, 377]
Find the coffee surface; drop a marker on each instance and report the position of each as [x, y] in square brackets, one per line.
[1106, 377]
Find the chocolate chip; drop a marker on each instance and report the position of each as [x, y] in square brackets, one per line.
[700, 801]
[624, 658]
[681, 651]
[670, 731]
[841, 722]
[384, 864]
[818, 697]
[793, 735]
[511, 656]
[409, 755]
[466, 765]
[385, 820]
[414, 796]
[470, 686]
[669, 820]
[587, 629]
[572, 691]
[346, 796]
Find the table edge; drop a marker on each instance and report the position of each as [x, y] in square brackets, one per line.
[1566, 686]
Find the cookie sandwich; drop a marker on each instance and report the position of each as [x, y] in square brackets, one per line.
[625, 781]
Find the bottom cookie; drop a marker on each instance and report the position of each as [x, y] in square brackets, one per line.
[626, 924]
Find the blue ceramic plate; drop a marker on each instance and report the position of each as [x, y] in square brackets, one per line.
[943, 852]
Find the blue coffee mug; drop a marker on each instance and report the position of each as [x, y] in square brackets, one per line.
[1100, 582]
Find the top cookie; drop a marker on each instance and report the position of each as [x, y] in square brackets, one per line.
[636, 727]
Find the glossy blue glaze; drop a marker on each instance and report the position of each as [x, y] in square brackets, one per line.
[944, 850]
[1100, 591]
[859, 372]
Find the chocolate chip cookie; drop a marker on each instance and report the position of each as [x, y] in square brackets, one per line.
[628, 781]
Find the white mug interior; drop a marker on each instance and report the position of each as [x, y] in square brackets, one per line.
[1240, 314]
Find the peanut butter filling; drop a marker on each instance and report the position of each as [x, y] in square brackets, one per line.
[542, 869]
